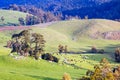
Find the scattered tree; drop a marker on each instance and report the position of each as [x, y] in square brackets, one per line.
[94, 49]
[62, 49]
[103, 71]
[31, 20]
[21, 21]
[2, 18]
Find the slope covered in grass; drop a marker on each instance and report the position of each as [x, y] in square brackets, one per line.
[55, 34]
[85, 28]
[10, 17]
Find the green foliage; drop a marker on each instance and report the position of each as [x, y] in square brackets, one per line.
[21, 21]
[25, 39]
[66, 77]
[103, 71]
[31, 20]
[101, 51]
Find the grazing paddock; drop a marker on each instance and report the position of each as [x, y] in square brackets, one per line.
[76, 62]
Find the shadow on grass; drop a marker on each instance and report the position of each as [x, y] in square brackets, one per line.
[41, 77]
[37, 77]
[108, 54]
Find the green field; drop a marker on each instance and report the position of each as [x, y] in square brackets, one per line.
[63, 33]
[10, 17]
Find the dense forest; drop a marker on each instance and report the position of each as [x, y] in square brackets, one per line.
[109, 10]
[47, 4]
[66, 9]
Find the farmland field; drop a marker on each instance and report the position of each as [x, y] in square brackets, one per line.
[74, 34]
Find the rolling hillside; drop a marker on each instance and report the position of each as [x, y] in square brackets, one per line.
[10, 17]
[74, 31]
[86, 28]
[75, 34]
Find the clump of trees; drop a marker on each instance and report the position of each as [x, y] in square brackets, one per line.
[95, 50]
[39, 16]
[43, 16]
[103, 71]
[62, 49]
[29, 20]
[26, 43]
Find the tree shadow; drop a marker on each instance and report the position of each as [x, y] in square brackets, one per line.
[109, 51]
[108, 54]
[41, 77]
[37, 77]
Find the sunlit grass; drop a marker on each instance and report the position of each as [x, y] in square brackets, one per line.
[11, 16]
[59, 33]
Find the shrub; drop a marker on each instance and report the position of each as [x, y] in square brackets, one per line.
[49, 57]
[66, 77]
[103, 71]
[94, 50]
[101, 51]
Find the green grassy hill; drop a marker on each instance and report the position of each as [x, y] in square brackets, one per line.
[10, 17]
[60, 33]
[85, 28]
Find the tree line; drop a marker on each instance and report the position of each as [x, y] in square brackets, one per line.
[38, 14]
[59, 9]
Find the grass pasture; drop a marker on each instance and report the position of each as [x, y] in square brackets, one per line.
[55, 34]
[10, 17]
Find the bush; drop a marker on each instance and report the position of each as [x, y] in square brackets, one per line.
[49, 57]
[66, 77]
[94, 50]
[103, 71]
[101, 51]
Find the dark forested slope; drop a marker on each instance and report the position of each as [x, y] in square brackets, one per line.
[108, 9]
